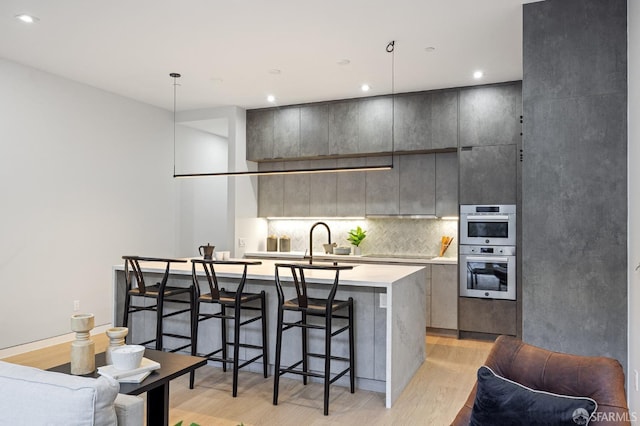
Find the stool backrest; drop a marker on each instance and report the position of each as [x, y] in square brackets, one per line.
[212, 278]
[299, 280]
[132, 266]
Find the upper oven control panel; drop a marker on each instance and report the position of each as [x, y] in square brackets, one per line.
[488, 250]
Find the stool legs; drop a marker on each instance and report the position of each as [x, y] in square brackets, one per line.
[352, 369]
[327, 363]
[194, 340]
[276, 372]
[265, 349]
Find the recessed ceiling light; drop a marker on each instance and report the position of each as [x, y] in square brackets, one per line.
[29, 19]
[271, 98]
[477, 74]
[365, 87]
[429, 49]
[275, 71]
[343, 62]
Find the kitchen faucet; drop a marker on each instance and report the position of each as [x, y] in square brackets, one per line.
[311, 238]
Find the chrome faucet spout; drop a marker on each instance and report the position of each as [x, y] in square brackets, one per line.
[311, 238]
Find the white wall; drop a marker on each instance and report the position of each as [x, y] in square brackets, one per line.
[202, 202]
[634, 204]
[85, 177]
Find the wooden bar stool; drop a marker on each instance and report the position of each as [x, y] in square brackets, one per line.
[232, 305]
[161, 292]
[307, 306]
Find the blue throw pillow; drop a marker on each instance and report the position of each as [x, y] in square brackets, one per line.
[500, 401]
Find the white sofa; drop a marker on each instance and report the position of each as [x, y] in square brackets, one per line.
[30, 396]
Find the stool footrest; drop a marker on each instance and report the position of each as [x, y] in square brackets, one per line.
[181, 311]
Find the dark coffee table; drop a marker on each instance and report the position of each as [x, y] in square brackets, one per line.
[156, 385]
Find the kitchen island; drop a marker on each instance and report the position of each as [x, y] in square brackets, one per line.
[389, 318]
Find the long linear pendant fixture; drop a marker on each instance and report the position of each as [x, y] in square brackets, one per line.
[390, 49]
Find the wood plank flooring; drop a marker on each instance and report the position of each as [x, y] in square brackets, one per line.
[433, 397]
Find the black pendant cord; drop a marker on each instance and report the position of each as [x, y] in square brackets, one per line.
[391, 49]
[175, 76]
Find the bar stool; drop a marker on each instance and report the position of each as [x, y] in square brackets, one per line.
[236, 301]
[325, 308]
[161, 292]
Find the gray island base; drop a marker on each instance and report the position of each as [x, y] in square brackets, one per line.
[390, 314]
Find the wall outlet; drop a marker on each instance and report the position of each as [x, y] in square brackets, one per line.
[241, 242]
[383, 300]
[635, 380]
[76, 305]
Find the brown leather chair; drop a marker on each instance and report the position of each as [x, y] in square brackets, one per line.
[599, 378]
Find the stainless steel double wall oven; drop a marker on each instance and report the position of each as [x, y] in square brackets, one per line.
[487, 254]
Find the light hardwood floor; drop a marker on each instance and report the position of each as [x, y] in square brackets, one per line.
[433, 397]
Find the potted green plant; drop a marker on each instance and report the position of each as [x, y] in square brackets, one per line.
[355, 238]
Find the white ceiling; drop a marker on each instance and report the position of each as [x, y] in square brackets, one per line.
[225, 49]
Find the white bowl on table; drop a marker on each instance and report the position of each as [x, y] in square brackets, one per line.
[127, 357]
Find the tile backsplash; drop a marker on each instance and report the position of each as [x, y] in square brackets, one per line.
[387, 236]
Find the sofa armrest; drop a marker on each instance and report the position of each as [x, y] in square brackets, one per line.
[129, 410]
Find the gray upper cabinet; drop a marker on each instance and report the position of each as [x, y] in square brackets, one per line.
[297, 191]
[417, 184]
[314, 130]
[382, 188]
[488, 175]
[374, 125]
[427, 120]
[490, 115]
[286, 133]
[323, 190]
[411, 122]
[351, 190]
[270, 191]
[259, 134]
[343, 127]
[446, 184]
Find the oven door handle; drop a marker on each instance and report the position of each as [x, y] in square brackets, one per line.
[487, 218]
[486, 259]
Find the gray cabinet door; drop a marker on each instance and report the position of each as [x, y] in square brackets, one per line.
[489, 115]
[323, 190]
[343, 127]
[374, 125]
[428, 273]
[260, 134]
[412, 127]
[296, 191]
[270, 191]
[417, 184]
[383, 188]
[427, 120]
[314, 130]
[444, 296]
[286, 133]
[487, 315]
[351, 189]
[447, 184]
[488, 175]
[444, 119]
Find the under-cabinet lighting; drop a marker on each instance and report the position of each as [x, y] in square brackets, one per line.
[478, 74]
[316, 218]
[271, 98]
[449, 218]
[287, 172]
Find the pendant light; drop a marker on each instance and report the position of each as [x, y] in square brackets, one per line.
[389, 49]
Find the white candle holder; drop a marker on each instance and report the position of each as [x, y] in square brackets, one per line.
[83, 352]
[116, 338]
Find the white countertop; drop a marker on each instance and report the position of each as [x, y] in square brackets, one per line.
[366, 274]
[300, 255]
